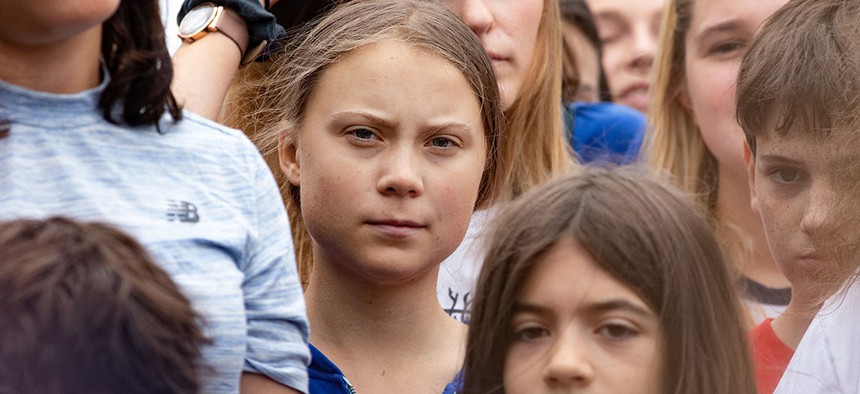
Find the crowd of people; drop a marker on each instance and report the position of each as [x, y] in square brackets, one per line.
[449, 196]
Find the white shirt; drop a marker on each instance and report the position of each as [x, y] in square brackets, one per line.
[828, 357]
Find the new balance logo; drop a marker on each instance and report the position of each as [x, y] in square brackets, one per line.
[182, 211]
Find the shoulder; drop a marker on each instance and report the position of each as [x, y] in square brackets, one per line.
[827, 359]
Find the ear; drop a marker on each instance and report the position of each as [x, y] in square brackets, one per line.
[749, 162]
[288, 158]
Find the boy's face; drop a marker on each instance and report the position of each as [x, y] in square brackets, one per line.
[802, 188]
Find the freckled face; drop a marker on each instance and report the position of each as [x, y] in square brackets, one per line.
[388, 182]
[719, 34]
[508, 30]
[804, 190]
[578, 329]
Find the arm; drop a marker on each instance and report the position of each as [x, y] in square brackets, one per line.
[252, 383]
[204, 70]
[277, 326]
[203, 73]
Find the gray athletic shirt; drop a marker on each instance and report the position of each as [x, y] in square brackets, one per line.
[197, 195]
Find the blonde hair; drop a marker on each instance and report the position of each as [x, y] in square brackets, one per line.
[536, 135]
[674, 147]
[271, 106]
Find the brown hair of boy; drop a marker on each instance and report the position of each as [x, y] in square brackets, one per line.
[806, 81]
[801, 75]
[85, 310]
[281, 97]
[650, 238]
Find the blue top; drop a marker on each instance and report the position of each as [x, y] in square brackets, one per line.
[197, 195]
[605, 133]
[326, 378]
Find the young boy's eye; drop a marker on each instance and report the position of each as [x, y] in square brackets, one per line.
[786, 175]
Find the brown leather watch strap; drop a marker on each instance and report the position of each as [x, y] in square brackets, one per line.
[231, 25]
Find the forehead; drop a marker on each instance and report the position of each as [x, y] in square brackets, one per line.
[639, 8]
[740, 14]
[838, 149]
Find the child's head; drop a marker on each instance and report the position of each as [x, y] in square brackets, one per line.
[606, 279]
[695, 136]
[85, 310]
[798, 101]
[389, 119]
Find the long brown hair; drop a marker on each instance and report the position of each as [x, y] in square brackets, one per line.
[86, 310]
[650, 238]
[276, 102]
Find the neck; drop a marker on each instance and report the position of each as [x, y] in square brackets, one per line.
[790, 326]
[67, 66]
[351, 315]
[734, 208]
[386, 338]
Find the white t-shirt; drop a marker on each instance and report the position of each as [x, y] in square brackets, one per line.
[828, 357]
[458, 274]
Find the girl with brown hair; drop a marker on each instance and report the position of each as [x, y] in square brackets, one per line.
[523, 40]
[385, 184]
[606, 281]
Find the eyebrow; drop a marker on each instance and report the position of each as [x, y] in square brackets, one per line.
[729, 25]
[375, 119]
[777, 159]
[591, 308]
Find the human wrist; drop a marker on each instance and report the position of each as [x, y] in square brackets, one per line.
[262, 26]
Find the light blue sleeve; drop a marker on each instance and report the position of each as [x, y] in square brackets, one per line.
[277, 341]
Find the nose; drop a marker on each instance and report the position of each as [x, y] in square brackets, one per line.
[475, 13]
[568, 364]
[400, 174]
[821, 203]
[644, 47]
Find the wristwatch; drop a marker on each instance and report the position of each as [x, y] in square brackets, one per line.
[208, 17]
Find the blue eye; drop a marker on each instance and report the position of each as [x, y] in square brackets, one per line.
[364, 134]
[441, 142]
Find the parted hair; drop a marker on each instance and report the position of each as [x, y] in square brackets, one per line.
[278, 100]
[645, 234]
[801, 75]
[85, 310]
